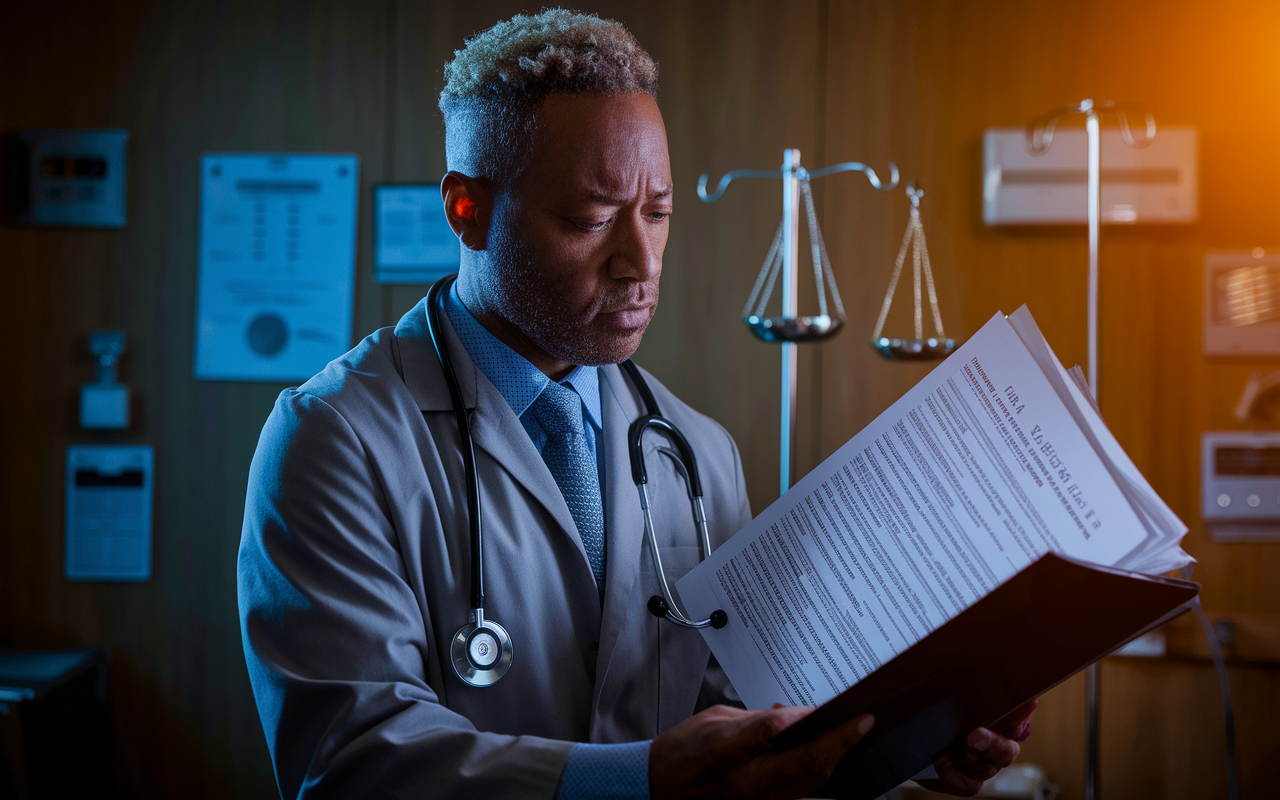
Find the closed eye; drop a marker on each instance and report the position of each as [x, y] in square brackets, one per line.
[592, 225]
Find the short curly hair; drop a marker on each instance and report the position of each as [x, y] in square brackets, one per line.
[495, 83]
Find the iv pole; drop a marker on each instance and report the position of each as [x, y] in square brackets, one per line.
[1039, 138]
[791, 174]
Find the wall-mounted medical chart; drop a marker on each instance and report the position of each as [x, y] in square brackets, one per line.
[108, 525]
[412, 240]
[277, 264]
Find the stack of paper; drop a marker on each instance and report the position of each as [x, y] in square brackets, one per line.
[996, 458]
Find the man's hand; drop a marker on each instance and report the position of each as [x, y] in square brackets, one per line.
[985, 752]
[725, 752]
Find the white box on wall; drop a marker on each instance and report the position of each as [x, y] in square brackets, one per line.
[1242, 303]
[110, 489]
[1240, 485]
[1158, 183]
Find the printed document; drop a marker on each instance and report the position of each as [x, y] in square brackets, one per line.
[994, 459]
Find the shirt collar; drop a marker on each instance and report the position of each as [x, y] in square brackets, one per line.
[514, 376]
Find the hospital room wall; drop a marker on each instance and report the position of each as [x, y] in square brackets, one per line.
[918, 82]
[914, 82]
[338, 76]
[183, 78]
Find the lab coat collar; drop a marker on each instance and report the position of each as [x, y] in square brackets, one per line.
[417, 363]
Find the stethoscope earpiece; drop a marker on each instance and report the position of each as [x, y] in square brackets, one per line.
[660, 609]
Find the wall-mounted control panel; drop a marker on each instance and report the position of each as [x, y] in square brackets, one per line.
[1240, 486]
[70, 178]
[1242, 303]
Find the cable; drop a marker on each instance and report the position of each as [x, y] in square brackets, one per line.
[1228, 711]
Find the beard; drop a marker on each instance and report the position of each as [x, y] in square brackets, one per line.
[538, 305]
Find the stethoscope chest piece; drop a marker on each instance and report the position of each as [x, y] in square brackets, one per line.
[481, 651]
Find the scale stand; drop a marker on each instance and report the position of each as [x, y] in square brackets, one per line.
[791, 328]
[1039, 138]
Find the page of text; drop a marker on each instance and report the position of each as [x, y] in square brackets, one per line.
[971, 476]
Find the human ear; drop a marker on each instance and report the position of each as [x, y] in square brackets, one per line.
[467, 204]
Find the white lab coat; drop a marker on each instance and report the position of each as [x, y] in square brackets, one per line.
[354, 576]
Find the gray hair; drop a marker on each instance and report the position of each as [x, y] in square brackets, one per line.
[495, 83]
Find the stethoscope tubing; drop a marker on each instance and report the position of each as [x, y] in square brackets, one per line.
[486, 674]
[434, 303]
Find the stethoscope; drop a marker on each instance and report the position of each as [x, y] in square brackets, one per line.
[481, 650]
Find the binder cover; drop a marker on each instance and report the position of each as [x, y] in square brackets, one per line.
[1028, 635]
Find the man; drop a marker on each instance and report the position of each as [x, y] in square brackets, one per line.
[354, 563]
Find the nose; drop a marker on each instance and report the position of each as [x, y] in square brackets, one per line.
[637, 248]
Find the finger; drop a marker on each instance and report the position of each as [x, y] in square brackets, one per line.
[1001, 750]
[843, 737]
[951, 780]
[752, 738]
[766, 724]
[1017, 724]
[797, 770]
[802, 772]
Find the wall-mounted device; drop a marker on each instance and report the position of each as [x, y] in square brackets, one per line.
[104, 403]
[1240, 486]
[70, 178]
[1157, 183]
[108, 507]
[413, 242]
[1242, 303]
[1260, 398]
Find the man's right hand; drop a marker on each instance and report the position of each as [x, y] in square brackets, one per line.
[725, 752]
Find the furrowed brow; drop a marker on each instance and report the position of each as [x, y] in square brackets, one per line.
[606, 198]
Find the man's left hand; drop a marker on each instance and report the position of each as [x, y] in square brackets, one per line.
[985, 752]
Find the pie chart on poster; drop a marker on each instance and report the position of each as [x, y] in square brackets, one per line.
[268, 334]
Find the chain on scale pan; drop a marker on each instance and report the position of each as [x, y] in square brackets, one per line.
[919, 348]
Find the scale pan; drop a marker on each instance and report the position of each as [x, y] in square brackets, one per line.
[914, 349]
[793, 329]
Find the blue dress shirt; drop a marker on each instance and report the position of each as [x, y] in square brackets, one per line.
[592, 771]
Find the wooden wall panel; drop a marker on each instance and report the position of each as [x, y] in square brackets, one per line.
[184, 78]
[923, 80]
[914, 81]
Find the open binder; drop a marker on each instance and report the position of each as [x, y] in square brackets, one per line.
[1034, 631]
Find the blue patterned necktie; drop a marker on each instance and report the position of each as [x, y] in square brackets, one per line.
[573, 465]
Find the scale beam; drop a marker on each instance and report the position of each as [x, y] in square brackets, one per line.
[801, 174]
[790, 328]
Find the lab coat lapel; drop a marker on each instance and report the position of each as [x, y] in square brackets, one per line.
[495, 428]
[623, 518]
